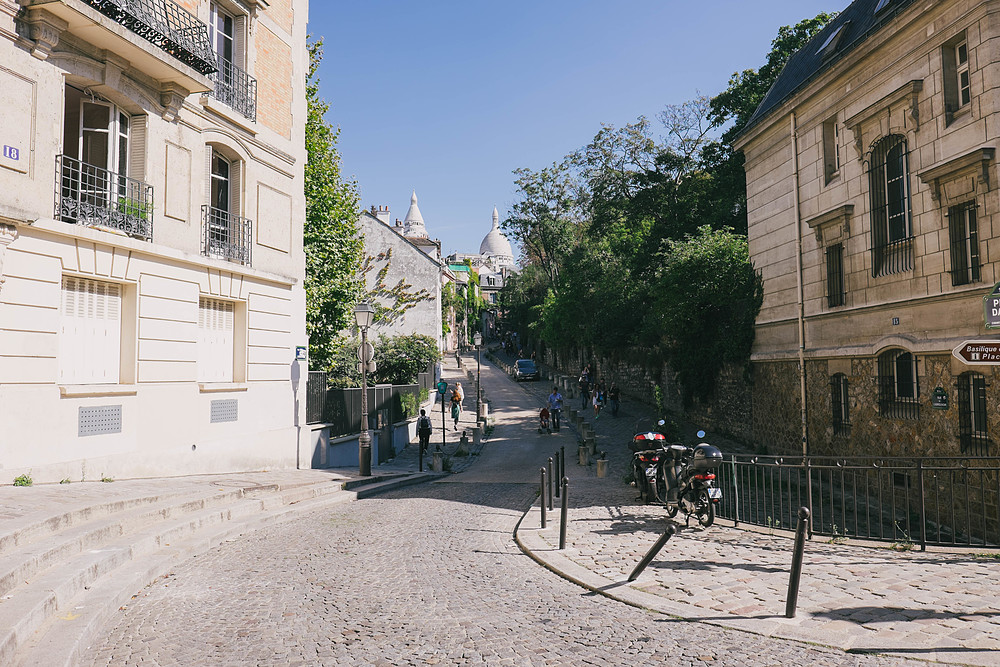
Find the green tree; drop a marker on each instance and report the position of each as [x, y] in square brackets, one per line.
[333, 247]
[398, 359]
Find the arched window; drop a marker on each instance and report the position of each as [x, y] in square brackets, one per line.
[889, 185]
[972, 426]
[898, 385]
[839, 402]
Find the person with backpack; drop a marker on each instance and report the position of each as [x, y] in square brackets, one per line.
[456, 403]
[424, 429]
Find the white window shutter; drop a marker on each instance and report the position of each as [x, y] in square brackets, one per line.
[90, 332]
[215, 340]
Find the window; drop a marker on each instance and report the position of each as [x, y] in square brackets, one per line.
[882, 4]
[224, 233]
[831, 149]
[889, 181]
[232, 85]
[957, 86]
[964, 236]
[215, 340]
[898, 385]
[835, 293]
[972, 427]
[830, 44]
[90, 332]
[839, 402]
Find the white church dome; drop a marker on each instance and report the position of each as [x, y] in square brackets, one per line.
[495, 243]
[413, 224]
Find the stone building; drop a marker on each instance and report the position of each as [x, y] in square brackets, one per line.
[151, 256]
[403, 266]
[873, 217]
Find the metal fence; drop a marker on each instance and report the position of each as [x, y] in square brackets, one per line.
[917, 501]
[341, 408]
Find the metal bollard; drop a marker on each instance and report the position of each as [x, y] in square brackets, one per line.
[562, 461]
[550, 482]
[793, 579]
[651, 554]
[543, 496]
[562, 514]
[558, 473]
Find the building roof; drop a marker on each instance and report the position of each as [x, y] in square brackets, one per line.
[842, 35]
[495, 242]
[413, 224]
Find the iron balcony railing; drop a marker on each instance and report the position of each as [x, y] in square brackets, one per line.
[235, 88]
[166, 25]
[225, 235]
[906, 501]
[89, 195]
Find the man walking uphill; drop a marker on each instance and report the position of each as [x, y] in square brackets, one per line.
[424, 428]
[555, 407]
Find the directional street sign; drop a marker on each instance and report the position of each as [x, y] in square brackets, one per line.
[366, 352]
[979, 352]
[991, 308]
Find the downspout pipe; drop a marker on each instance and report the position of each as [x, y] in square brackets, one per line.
[800, 290]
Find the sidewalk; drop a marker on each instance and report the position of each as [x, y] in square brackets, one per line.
[940, 606]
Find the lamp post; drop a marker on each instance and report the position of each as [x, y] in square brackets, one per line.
[364, 314]
[478, 340]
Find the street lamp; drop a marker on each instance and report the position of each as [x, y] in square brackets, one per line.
[478, 340]
[364, 314]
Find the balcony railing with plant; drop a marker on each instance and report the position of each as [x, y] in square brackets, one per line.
[235, 88]
[89, 195]
[225, 235]
[166, 25]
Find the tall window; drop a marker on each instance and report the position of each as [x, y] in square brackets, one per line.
[89, 332]
[956, 86]
[215, 340]
[962, 73]
[223, 29]
[972, 425]
[839, 402]
[898, 384]
[964, 236]
[889, 182]
[835, 292]
[831, 149]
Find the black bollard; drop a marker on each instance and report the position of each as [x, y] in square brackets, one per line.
[562, 517]
[558, 474]
[562, 461]
[651, 554]
[793, 579]
[543, 497]
[550, 483]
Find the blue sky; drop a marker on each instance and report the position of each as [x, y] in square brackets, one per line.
[449, 97]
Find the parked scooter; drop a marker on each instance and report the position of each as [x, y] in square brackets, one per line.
[647, 454]
[690, 481]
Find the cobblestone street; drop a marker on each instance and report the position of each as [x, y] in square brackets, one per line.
[420, 576]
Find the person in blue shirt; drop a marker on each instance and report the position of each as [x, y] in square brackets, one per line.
[555, 407]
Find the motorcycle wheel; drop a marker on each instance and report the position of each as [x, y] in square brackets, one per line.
[707, 517]
[640, 482]
[671, 511]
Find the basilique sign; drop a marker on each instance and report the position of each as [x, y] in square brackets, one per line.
[991, 308]
[975, 352]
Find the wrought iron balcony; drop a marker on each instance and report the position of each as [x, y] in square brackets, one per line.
[225, 235]
[89, 195]
[235, 88]
[166, 25]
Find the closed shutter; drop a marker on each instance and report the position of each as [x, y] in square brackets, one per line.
[240, 42]
[90, 332]
[137, 151]
[215, 340]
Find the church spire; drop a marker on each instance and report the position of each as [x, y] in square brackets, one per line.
[413, 224]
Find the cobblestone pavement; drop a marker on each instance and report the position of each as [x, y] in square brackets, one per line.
[420, 576]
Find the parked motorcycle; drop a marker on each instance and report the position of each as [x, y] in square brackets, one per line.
[647, 447]
[690, 481]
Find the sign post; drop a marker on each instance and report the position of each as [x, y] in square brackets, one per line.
[442, 388]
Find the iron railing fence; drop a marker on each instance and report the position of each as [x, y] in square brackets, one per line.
[236, 89]
[918, 501]
[315, 396]
[164, 24]
[225, 235]
[89, 195]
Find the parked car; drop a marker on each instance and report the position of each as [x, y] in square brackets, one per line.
[525, 369]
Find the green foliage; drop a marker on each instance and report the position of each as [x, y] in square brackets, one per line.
[106, 479]
[65, 480]
[23, 480]
[399, 359]
[390, 301]
[333, 246]
[709, 296]
[413, 401]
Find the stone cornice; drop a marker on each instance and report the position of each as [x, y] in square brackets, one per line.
[977, 159]
[840, 215]
[908, 92]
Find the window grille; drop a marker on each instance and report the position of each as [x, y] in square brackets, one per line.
[964, 236]
[892, 241]
[899, 390]
[839, 402]
[835, 291]
[973, 436]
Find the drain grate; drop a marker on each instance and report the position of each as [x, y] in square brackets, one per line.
[100, 419]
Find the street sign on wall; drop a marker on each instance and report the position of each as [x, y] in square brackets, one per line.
[978, 352]
[991, 308]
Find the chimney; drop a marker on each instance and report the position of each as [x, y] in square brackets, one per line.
[382, 213]
[399, 223]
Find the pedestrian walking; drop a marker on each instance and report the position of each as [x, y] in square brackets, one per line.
[584, 382]
[424, 429]
[555, 407]
[615, 397]
[456, 403]
[597, 401]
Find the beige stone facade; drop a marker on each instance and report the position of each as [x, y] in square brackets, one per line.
[151, 260]
[875, 221]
